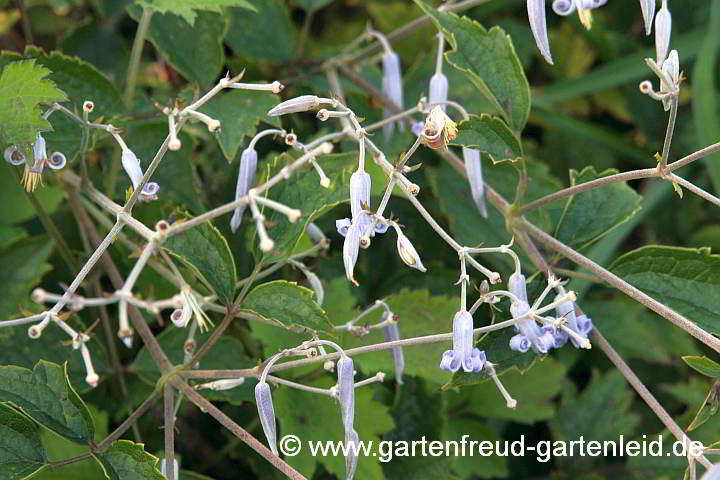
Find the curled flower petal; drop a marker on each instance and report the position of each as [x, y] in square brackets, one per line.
[439, 129]
[648, 11]
[520, 343]
[343, 225]
[538, 25]
[584, 324]
[245, 181]
[438, 89]
[663, 29]
[391, 332]
[266, 411]
[14, 156]
[359, 192]
[392, 87]
[302, 103]
[57, 160]
[473, 167]
[563, 7]
[346, 390]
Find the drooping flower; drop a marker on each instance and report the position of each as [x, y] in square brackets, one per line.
[473, 167]
[648, 11]
[190, 306]
[266, 412]
[245, 181]
[392, 87]
[346, 391]
[438, 89]
[131, 164]
[540, 339]
[391, 332]
[463, 353]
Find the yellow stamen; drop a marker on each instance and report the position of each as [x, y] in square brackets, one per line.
[31, 180]
[585, 17]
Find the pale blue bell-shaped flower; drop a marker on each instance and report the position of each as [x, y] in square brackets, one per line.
[541, 340]
[520, 343]
[463, 353]
[391, 332]
[346, 391]
[473, 167]
[245, 181]
[392, 87]
[266, 411]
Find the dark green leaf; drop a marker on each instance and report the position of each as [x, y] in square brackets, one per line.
[709, 408]
[467, 466]
[206, 252]
[188, 10]
[489, 135]
[703, 365]
[489, 60]
[125, 460]
[180, 42]
[265, 34]
[236, 128]
[684, 279]
[21, 452]
[288, 305]
[24, 86]
[592, 214]
[311, 4]
[24, 264]
[45, 394]
[11, 193]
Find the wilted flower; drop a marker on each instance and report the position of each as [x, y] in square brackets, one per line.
[439, 129]
[266, 412]
[245, 181]
[463, 353]
[131, 164]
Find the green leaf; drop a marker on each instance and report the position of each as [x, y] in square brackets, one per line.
[489, 135]
[638, 322]
[311, 5]
[534, 391]
[684, 279]
[54, 346]
[709, 408]
[206, 252]
[12, 193]
[188, 9]
[590, 215]
[703, 365]
[236, 128]
[467, 466]
[21, 451]
[126, 460]
[24, 263]
[45, 395]
[303, 191]
[601, 412]
[228, 353]
[180, 41]
[705, 107]
[489, 60]
[287, 304]
[314, 417]
[419, 412]
[24, 86]
[80, 81]
[265, 34]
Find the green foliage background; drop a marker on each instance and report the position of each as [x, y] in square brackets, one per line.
[579, 119]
